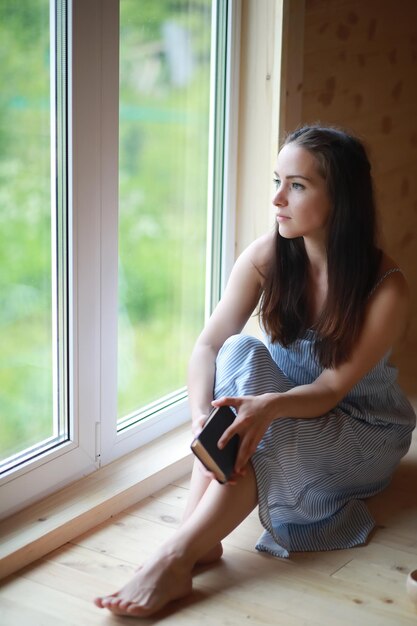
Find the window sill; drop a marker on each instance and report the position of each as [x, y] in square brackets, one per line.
[62, 516]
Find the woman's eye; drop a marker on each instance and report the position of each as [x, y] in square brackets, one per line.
[297, 186]
[277, 182]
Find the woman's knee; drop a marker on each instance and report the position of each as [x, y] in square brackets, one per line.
[245, 366]
[239, 358]
[242, 345]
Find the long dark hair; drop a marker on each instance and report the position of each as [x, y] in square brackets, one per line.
[353, 256]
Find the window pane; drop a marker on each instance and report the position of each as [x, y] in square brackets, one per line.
[163, 171]
[27, 416]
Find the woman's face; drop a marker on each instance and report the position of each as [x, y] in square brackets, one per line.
[302, 198]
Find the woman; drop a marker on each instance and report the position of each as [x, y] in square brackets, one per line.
[321, 420]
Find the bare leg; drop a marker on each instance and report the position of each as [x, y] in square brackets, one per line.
[198, 486]
[168, 574]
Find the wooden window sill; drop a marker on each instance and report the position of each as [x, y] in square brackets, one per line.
[42, 527]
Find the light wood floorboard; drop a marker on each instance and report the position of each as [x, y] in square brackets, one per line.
[364, 586]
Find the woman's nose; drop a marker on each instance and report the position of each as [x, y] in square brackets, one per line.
[279, 198]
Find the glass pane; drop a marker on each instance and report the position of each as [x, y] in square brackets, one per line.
[27, 416]
[163, 172]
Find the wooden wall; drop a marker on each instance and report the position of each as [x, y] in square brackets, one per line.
[360, 72]
[259, 93]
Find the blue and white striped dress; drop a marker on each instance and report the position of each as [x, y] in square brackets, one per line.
[314, 474]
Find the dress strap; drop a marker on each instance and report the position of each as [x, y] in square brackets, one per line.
[383, 277]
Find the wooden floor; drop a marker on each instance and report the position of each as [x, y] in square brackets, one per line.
[364, 586]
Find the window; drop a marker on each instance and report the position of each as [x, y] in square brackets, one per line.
[133, 205]
[33, 269]
[164, 115]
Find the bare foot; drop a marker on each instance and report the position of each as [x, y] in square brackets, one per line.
[154, 585]
[211, 556]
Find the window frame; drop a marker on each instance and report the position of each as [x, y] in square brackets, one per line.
[168, 413]
[93, 39]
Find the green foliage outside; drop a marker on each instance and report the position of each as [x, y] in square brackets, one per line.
[163, 188]
[25, 226]
[163, 195]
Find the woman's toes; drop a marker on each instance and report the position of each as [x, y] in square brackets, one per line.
[103, 601]
[124, 605]
[111, 603]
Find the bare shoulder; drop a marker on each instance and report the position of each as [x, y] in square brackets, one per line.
[391, 279]
[260, 252]
[390, 299]
[385, 322]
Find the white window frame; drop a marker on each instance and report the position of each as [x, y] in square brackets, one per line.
[165, 415]
[92, 280]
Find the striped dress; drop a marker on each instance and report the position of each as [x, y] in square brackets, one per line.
[314, 474]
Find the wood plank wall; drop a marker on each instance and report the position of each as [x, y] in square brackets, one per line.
[360, 72]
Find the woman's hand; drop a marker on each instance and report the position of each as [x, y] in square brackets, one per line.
[198, 422]
[254, 415]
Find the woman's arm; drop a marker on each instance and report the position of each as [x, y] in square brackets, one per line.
[231, 314]
[385, 321]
